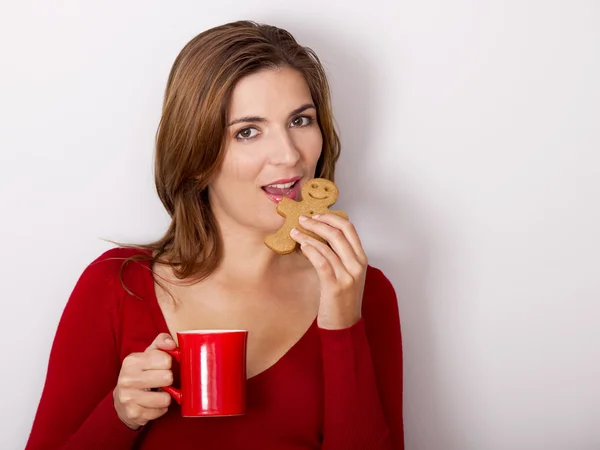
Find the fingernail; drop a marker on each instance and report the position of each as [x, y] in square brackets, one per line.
[169, 341]
[303, 218]
[316, 216]
[294, 232]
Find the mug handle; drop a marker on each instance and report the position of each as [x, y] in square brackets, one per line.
[174, 392]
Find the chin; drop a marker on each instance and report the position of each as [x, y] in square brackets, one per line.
[275, 225]
[272, 223]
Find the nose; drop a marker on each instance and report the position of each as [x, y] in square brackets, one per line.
[284, 151]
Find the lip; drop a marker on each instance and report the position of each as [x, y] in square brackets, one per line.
[293, 194]
[283, 181]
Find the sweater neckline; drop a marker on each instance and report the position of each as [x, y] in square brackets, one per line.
[267, 375]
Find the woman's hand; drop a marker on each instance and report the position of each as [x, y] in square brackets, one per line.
[341, 268]
[135, 404]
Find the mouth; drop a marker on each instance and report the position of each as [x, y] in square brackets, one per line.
[280, 189]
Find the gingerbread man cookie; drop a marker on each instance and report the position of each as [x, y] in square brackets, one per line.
[317, 196]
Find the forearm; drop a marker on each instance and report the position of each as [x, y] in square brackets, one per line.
[102, 429]
[354, 417]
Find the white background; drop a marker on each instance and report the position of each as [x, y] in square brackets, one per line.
[471, 166]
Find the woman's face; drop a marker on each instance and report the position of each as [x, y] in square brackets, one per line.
[273, 144]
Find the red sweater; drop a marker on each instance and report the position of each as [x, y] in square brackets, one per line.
[334, 389]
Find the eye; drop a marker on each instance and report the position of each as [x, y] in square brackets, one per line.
[302, 121]
[246, 134]
[314, 186]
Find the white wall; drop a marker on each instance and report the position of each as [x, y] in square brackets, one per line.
[471, 134]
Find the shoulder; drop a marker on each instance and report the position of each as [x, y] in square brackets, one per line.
[379, 294]
[115, 257]
[96, 302]
[104, 284]
[109, 268]
[377, 281]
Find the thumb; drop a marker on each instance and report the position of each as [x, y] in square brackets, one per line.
[163, 341]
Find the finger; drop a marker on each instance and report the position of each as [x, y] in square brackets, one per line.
[148, 360]
[154, 413]
[140, 416]
[157, 359]
[154, 400]
[147, 379]
[163, 341]
[135, 399]
[325, 260]
[325, 272]
[349, 231]
[338, 241]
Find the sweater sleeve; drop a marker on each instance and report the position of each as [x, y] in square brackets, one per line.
[76, 408]
[363, 375]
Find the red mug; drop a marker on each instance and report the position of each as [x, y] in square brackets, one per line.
[212, 371]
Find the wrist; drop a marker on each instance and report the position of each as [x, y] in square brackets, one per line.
[131, 426]
[338, 323]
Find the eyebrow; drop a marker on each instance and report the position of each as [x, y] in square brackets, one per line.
[262, 119]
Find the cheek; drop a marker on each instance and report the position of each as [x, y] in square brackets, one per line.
[310, 145]
[240, 166]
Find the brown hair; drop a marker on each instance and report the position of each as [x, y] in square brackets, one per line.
[191, 135]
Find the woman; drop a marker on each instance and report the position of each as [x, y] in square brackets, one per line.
[246, 121]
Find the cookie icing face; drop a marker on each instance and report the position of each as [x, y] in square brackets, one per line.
[317, 196]
[321, 190]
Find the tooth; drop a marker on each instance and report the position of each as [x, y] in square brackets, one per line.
[282, 186]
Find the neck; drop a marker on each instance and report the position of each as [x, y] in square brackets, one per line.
[246, 258]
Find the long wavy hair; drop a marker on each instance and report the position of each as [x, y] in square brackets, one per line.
[190, 141]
